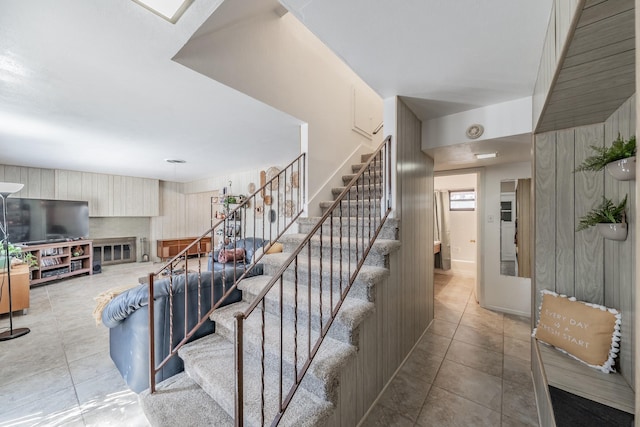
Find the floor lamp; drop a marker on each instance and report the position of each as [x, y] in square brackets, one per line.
[6, 189]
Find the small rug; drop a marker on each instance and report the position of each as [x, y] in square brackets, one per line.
[571, 411]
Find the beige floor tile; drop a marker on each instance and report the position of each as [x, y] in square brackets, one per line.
[406, 394]
[433, 343]
[56, 409]
[423, 364]
[443, 328]
[483, 322]
[508, 421]
[487, 339]
[381, 416]
[442, 312]
[519, 403]
[446, 409]
[517, 327]
[472, 384]
[517, 348]
[517, 370]
[487, 361]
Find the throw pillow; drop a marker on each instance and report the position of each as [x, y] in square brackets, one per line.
[588, 332]
[231, 255]
[275, 248]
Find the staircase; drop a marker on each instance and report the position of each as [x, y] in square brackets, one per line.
[282, 330]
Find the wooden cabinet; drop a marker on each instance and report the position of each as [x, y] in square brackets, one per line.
[168, 248]
[19, 289]
[60, 260]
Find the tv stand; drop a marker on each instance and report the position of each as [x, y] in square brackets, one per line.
[60, 260]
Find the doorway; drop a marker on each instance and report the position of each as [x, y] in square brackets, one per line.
[456, 224]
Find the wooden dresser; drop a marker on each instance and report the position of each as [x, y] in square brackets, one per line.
[168, 248]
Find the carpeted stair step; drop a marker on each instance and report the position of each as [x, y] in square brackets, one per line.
[365, 157]
[210, 362]
[323, 374]
[367, 179]
[358, 191]
[349, 249]
[354, 208]
[345, 325]
[348, 225]
[368, 277]
[179, 400]
[373, 167]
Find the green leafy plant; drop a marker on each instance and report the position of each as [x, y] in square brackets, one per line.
[606, 213]
[17, 252]
[620, 149]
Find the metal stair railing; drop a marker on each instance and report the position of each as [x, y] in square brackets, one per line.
[283, 196]
[366, 201]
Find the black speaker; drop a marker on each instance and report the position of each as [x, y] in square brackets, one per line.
[97, 268]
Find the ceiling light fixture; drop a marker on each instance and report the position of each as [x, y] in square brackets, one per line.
[171, 10]
[486, 156]
[175, 161]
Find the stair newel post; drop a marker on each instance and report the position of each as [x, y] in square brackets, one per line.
[239, 406]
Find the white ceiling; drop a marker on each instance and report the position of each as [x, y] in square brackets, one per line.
[88, 85]
[442, 57]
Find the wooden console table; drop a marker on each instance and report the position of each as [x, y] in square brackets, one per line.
[168, 248]
[19, 289]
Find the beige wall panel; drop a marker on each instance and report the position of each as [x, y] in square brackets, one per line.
[151, 192]
[589, 189]
[545, 216]
[565, 218]
[100, 195]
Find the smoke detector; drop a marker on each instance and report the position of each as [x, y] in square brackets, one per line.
[475, 131]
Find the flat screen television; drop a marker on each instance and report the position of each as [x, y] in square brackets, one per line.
[40, 221]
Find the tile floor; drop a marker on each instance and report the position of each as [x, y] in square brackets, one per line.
[470, 369]
[60, 374]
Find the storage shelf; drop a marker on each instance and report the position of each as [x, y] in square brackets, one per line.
[61, 264]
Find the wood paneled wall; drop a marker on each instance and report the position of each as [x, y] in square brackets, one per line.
[404, 301]
[108, 195]
[38, 183]
[562, 14]
[583, 264]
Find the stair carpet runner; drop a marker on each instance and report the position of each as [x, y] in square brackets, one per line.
[204, 393]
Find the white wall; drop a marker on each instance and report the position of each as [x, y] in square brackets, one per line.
[499, 120]
[279, 61]
[463, 226]
[503, 293]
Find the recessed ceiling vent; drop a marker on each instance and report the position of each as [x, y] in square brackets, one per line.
[475, 131]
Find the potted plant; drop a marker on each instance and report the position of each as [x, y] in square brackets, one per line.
[619, 159]
[610, 219]
[16, 256]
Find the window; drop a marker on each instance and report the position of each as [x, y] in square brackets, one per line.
[462, 200]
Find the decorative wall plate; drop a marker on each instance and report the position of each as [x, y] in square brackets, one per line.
[475, 131]
[273, 172]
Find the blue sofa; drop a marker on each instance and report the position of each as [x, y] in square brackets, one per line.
[127, 318]
[250, 246]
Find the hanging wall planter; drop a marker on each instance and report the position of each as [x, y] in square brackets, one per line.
[613, 231]
[609, 219]
[624, 169]
[619, 159]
